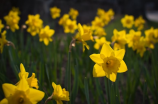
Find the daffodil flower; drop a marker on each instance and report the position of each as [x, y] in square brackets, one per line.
[34, 24]
[59, 94]
[12, 20]
[108, 63]
[32, 81]
[127, 21]
[55, 12]
[84, 34]
[45, 35]
[73, 13]
[21, 94]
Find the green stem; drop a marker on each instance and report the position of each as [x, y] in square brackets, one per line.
[107, 90]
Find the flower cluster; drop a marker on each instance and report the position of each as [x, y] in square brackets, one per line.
[128, 22]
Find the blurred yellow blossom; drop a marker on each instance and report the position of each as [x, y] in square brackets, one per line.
[105, 18]
[59, 94]
[133, 38]
[1, 25]
[110, 13]
[34, 24]
[55, 12]
[108, 63]
[119, 39]
[139, 23]
[73, 13]
[84, 34]
[12, 20]
[46, 34]
[150, 35]
[127, 21]
[100, 42]
[63, 19]
[32, 81]
[70, 26]
[141, 46]
[3, 40]
[15, 9]
[100, 12]
[97, 22]
[99, 32]
[21, 94]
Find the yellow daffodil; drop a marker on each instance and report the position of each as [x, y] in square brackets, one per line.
[150, 35]
[100, 12]
[84, 34]
[3, 40]
[46, 34]
[139, 23]
[119, 39]
[108, 63]
[100, 42]
[127, 21]
[156, 34]
[34, 24]
[133, 38]
[21, 94]
[70, 26]
[141, 46]
[63, 19]
[15, 9]
[1, 25]
[55, 12]
[99, 32]
[110, 13]
[97, 22]
[59, 94]
[73, 13]
[32, 81]
[12, 20]
[105, 18]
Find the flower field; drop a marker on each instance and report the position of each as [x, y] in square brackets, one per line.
[111, 60]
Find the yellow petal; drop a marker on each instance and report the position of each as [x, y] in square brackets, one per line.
[46, 41]
[96, 58]
[4, 101]
[35, 95]
[8, 89]
[120, 53]
[106, 50]
[59, 102]
[23, 84]
[123, 67]
[113, 77]
[98, 71]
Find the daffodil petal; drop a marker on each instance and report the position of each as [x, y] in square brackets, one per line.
[98, 71]
[23, 84]
[4, 101]
[113, 77]
[59, 102]
[122, 68]
[8, 89]
[106, 50]
[46, 42]
[96, 58]
[120, 53]
[35, 95]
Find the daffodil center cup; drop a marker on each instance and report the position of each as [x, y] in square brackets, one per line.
[128, 21]
[111, 64]
[21, 100]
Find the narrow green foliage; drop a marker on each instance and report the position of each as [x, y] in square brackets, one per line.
[86, 90]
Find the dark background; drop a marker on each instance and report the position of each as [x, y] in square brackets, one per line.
[87, 8]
